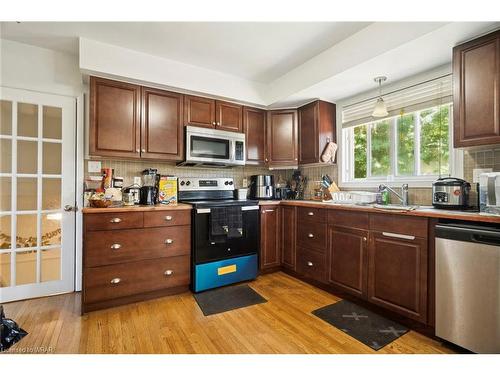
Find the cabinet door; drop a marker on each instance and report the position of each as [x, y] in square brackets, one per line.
[229, 116]
[476, 97]
[282, 138]
[254, 126]
[269, 237]
[288, 233]
[347, 259]
[316, 128]
[114, 118]
[397, 274]
[199, 111]
[162, 130]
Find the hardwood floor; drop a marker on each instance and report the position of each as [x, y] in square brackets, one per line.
[175, 324]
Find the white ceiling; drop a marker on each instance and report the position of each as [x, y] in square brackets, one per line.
[275, 64]
[254, 51]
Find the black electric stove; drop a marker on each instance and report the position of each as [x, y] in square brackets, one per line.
[225, 259]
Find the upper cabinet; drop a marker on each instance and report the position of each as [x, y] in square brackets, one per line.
[117, 128]
[199, 111]
[161, 123]
[229, 116]
[254, 126]
[476, 96]
[316, 128]
[210, 113]
[114, 119]
[282, 138]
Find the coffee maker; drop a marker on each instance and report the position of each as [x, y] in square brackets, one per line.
[262, 187]
[149, 189]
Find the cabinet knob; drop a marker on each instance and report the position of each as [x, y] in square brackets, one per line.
[310, 213]
[365, 239]
[115, 220]
[267, 160]
[116, 246]
[168, 218]
[168, 273]
[116, 280]
[143, 150]
[296, 159]
[137, 150]
[213, 123]
[218, 123]
[168, 241]
[310, 264]
[310, 235]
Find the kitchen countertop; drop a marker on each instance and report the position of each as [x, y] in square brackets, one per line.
[423, 211]
[157, 207]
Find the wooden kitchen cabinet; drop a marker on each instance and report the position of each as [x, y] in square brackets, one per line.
[210, 113]
[161, 125]
[316, 128]
[282, 147]
[347, 259]
[199, 111]
[228, 116]
[288, 237]
[397, 273]
[476, 95]
[254, 127]
[115, 109]
[270, 233]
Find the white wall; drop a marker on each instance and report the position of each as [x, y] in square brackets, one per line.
[33, 68]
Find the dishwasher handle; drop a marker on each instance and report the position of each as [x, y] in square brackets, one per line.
[469, 234]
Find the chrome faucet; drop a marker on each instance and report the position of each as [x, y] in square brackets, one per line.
[404, 193]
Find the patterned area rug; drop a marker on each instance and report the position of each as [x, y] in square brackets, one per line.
[362, 324]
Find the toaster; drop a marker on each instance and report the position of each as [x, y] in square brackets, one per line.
[450, 193]
[489, 193]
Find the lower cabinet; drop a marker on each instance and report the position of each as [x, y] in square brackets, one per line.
[311, 264]
[270, 251]
[347, 259]
[288, 237]
[397, 273]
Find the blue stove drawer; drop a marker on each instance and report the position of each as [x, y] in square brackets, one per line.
[229, 271]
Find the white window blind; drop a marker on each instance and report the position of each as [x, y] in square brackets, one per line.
[423, 95]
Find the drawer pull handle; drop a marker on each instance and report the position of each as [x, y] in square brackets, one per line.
[116, 246]
[310, 235]
[310, 213]
[397, 235]
[168, 241]
[310, 264]
[115, 220]
[168, 273]
[168, 218]
[116, 280]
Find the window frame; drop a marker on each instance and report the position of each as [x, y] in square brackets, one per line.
[346, 156]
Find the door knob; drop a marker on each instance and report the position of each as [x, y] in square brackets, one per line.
[70, 208]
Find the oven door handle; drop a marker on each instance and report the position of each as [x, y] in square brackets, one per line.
[203, 210]
[249, 208]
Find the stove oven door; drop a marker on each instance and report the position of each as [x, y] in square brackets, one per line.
[205, 250]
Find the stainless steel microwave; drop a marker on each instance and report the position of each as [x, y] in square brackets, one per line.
[213, 148]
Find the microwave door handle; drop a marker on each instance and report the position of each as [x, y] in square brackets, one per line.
[232, 150]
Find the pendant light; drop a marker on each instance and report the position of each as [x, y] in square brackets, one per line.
[380, 109]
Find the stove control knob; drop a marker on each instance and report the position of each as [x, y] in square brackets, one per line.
[226, 183]
[230, 182]
[182, 183]
[188, 183]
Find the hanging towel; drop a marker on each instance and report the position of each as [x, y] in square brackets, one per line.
[218, 222]
[234, 222]
[329, 152]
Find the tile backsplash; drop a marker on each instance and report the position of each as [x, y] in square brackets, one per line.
[481, 158]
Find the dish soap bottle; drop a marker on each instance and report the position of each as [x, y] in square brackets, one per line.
[383, 196]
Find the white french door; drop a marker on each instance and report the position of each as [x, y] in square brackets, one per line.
[37, 181]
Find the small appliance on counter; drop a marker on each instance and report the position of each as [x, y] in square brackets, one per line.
[149, 189]
[451, 193]
[489, 193]
[133, 194]
[262, 186]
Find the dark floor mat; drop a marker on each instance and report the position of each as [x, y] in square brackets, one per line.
[362, 324]
[227, 298]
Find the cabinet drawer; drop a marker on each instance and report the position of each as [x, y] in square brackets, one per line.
[311, 234]
[167, 218]
[120, 280]
[118, 220]
[311, 264]
[118, 246]
[399, 224]
[348, 219]
[311, 214]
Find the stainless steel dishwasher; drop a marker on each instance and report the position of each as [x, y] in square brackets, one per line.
[468, 286]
